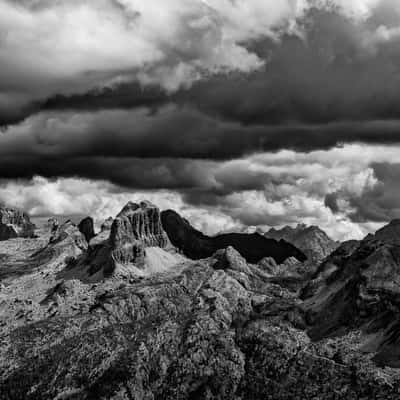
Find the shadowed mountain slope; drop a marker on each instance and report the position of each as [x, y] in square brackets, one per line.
[196, 245]
[358, 287]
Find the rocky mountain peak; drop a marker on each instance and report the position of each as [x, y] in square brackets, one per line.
[229, 258]
[390, 233]
[15, 223]
[312, 240]
[136, 227]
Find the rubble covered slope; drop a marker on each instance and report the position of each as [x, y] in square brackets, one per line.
[219, 327]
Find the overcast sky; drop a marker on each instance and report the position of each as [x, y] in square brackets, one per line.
[233, 112]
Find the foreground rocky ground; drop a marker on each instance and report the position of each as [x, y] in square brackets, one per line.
[158, 325]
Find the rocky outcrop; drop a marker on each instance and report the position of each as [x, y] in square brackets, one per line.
[106, 225]
[52, 224]
[86, 226]
[358, 287]
[66, 243]
[389, 234]
[14, 224]
[195, 245]
[311, 240]
[229, 258]
[203, 333]
[136, 227]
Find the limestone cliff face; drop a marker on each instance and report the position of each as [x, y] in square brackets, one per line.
[14, 223]
[136, 227]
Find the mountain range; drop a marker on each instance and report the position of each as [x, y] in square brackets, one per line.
[151, 308]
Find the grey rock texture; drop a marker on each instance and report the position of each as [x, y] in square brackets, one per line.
[106, 225]
[136, 227]
[14, 224]
[86, 226]
[198, 333]
[65, 241]
[219, 328]
[52, 224]
[358, 287]
[312, 240]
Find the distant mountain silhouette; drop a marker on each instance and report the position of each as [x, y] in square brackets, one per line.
[311, 240]
[253, 247]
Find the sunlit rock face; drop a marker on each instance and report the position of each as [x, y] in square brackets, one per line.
[66, 241]
[136, 227]
[15, 223]
[311, 240]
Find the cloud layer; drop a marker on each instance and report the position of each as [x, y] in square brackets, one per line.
[245, 112]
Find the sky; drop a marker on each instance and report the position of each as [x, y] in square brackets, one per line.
[235, 113]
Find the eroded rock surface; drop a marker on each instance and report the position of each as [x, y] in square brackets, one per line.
[358, 287]
[14, 224]
[219, 328]
[136, 227]
[312, 240]
[199, 333]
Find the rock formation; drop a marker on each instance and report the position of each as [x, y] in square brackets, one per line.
[215, 331]
[52, 224]
[229, 258]
[86, 226]
[358, 287]
[218, 328]
[196, 245]
[14, 224]
[136, 227]
[66, 242]
[106, 225]
[311, 240]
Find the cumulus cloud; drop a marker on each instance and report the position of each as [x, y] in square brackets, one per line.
[247, 112]
[42, 197]
[347, 190]
[72, 45]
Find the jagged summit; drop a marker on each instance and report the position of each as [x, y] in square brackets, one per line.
[358, 287]
[312, 240]
[136, 227]
[134, 241]
[14, 224]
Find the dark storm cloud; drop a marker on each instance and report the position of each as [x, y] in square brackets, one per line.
[337, 69]
[331, 201]
[174, 132]
[148, 107]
